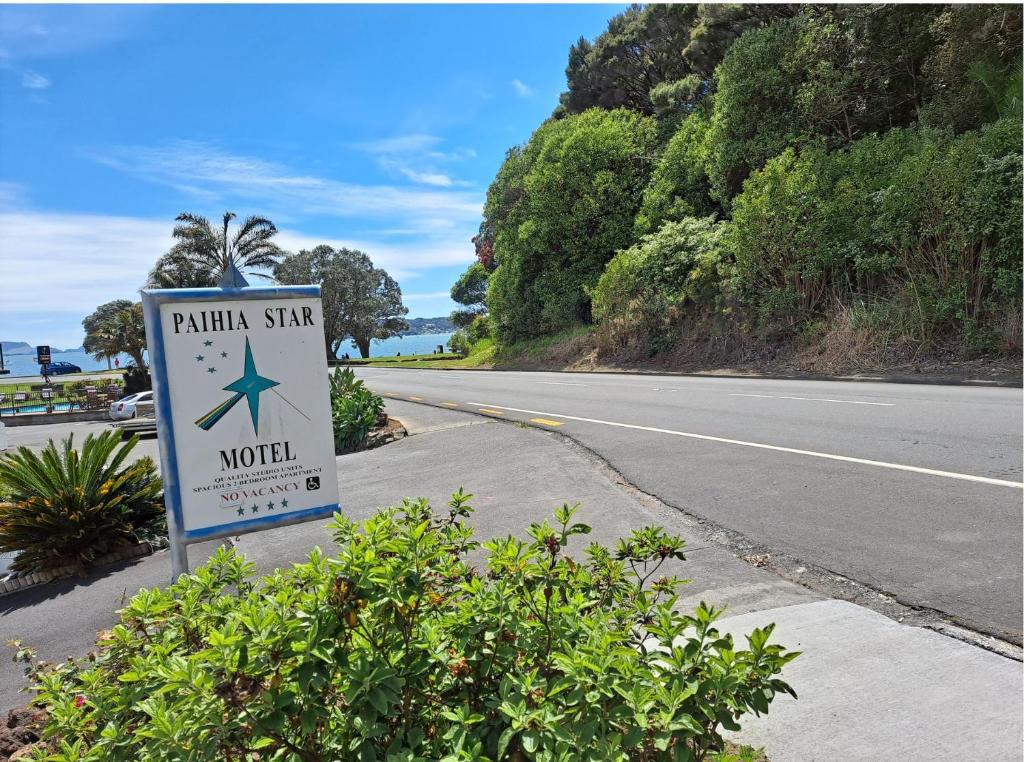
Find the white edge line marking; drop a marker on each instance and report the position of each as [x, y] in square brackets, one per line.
[776, 448]
[559, 383]
[814, 399]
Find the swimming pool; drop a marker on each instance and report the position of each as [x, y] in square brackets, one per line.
[36, 408]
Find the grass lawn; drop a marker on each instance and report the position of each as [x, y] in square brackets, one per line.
[481, 356]
[486, 354]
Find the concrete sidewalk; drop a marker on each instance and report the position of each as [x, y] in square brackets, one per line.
[870, 689]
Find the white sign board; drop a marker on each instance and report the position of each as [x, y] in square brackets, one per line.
[243, 408]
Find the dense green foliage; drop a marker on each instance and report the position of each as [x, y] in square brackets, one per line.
[577, 188]
[398, 648]
[360, 302]
[924, 218]
[470, 290]
[62, 507]
[116, 327]
[847, 157]
[355, 410]
[644, 286]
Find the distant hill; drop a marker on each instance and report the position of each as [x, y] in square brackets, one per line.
[24, 348]
[420, 326]
[17, 348]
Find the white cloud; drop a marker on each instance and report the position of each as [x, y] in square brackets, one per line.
[213, 175]
[438, 179]
[403, 261]
[416, 157]
[422, 297]
[78, 261]
[522, 89]
[399, 144]
[34, 81]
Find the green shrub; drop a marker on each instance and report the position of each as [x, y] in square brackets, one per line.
[63, 507]
[922, 218]
[459, 342]
[644, 288]
[399, 649]
[572, 200]
[355, 410]
[679, 187]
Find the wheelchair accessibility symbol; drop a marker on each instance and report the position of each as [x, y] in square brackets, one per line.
[312, 482]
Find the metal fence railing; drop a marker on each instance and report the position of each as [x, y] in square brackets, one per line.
[58, 397]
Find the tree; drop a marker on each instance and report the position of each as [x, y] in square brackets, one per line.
[838, 73]
[215, 251]
[174, 270]
[639, 50]
[679, 187]
[116, 327]
[360, 302]
[646, 48]
[582, 181]
[973, 74]
[470, 290]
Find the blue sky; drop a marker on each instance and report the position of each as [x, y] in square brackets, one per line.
[377, 127]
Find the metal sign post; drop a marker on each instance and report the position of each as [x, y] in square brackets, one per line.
[242, 410]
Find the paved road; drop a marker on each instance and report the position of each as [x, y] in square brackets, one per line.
[912, 489]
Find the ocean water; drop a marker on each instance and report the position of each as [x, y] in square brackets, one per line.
[425, 344]
[25, 365]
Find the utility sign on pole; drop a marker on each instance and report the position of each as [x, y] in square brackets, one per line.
[243, 410]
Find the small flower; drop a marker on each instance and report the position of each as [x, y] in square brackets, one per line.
[79, 701]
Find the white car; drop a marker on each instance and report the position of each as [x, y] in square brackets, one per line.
[131, 406]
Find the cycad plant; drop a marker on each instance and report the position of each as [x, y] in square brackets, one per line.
[65, 507]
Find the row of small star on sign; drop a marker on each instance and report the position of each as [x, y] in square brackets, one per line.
[256, 509]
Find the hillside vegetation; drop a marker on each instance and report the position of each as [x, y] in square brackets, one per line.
[835, 186]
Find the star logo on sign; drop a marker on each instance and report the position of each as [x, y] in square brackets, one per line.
[207, 343]
[255, 508]
[250, 385]
[270, 505]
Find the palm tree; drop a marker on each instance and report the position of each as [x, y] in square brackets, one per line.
[114, 328]
[221, 254]
[174, 270]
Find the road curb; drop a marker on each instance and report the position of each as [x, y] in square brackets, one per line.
[916, 380]
[823, 581]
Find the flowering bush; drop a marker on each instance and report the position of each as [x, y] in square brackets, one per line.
[398, 648]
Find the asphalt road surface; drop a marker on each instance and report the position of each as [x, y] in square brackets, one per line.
[915, 490]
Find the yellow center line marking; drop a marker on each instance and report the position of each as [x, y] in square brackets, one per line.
[492, 412]
[417, 399]
[763, 446]
[545, 421]
[450, 404]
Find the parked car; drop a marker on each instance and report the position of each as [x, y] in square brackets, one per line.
[58, 369]
[131, 406]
